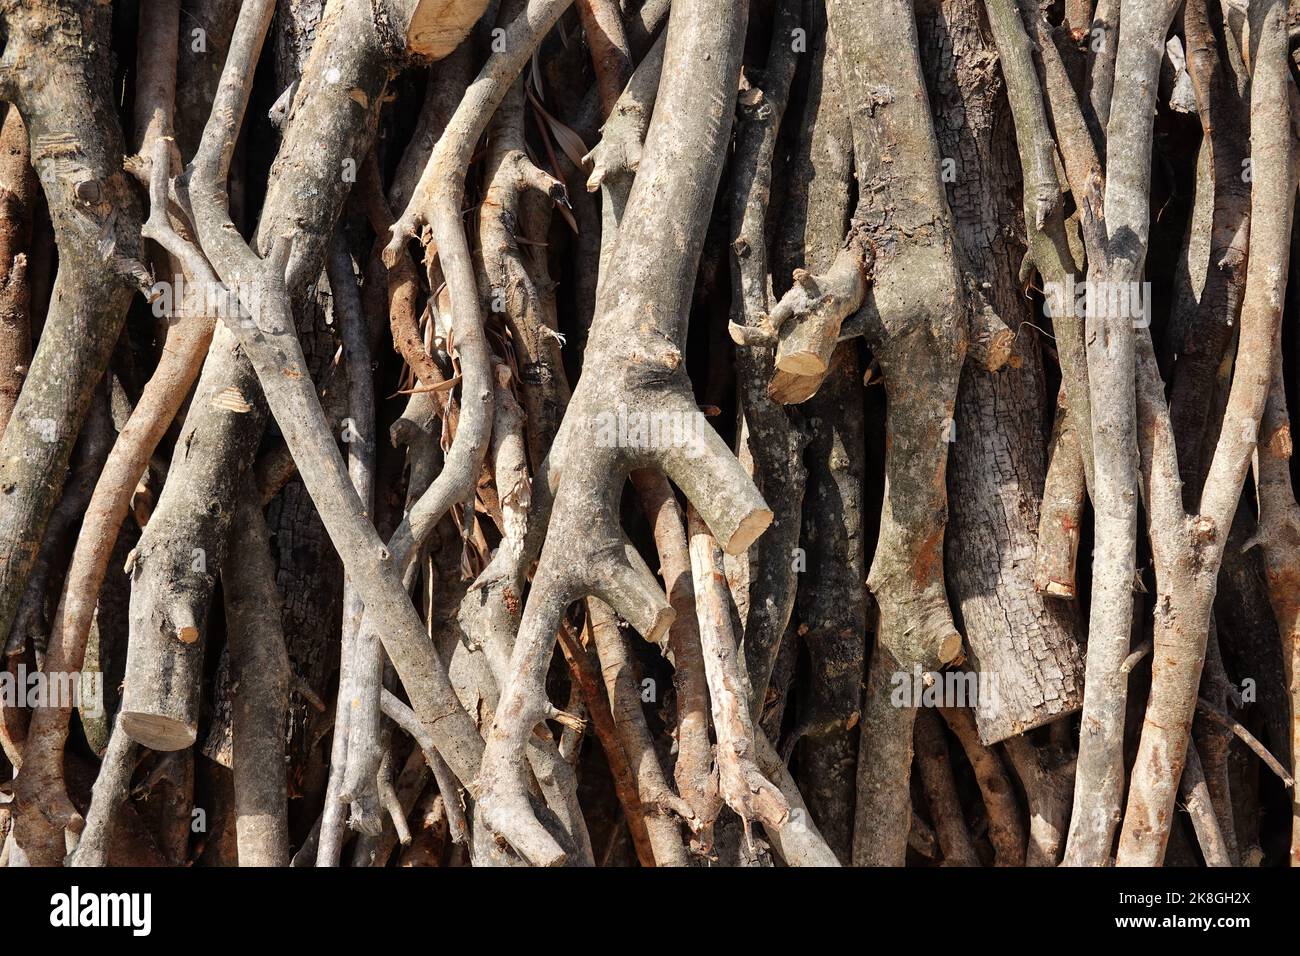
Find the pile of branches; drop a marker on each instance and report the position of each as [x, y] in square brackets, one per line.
[615, 432]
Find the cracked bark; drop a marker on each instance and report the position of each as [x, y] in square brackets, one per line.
[999, 464]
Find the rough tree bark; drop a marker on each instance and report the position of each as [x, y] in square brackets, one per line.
[635, 345]
[56, 71]
[1026, 641]
[757, 427]
[179, 559]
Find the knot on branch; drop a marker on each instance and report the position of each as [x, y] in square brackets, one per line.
[807, 323]
[991, 339]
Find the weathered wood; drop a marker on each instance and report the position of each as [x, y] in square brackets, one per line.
[429, 29]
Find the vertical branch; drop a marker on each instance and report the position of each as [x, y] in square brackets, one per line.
[884, 807]
[1112, 347]
[57, 69]
[742, 784]
[1185, 599]
[259, 671]
[1279, 540]
[17, 196]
